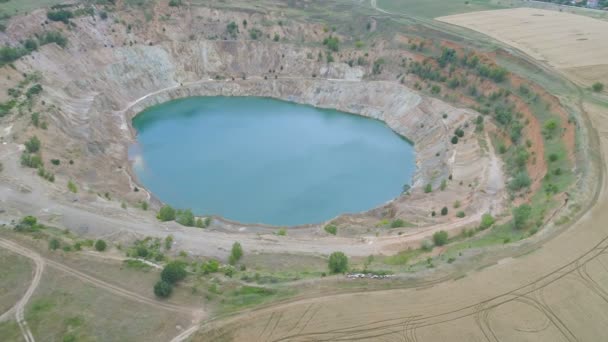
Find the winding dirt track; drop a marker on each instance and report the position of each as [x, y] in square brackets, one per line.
[19, 307]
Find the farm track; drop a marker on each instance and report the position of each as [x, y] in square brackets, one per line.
[40, 262]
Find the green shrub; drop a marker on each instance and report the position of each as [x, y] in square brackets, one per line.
[440, 238]
[255, 33]
[185, 218]
[175, 3]
[520, 181]
[31, 160]
[486, 221]
[173, 272]
[72, 187]
[210, 266]
[33, 91]
[597, 87]
[454, 140]
[162, 289]
[232, 29]
[53, 37]
[397, 223]
[460, 214]
[332, 43]
[444, 211]
[521, 216]
[428, 188]
[236, 253]
[54, 244]
[338, 262]
[166, 213]
[33, 145]
[282, 232]
[60, 15]
[331, 229]
[100, 245]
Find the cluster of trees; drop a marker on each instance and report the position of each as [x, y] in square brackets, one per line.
[172, 273]
[183, 217]
[10, 54]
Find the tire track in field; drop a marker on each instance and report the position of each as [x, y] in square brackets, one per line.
[19, 307]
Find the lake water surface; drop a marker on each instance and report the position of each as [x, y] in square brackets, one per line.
[258, 160]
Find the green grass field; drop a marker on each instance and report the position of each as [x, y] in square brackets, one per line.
[19, 7]
[16, 274]
[436, 8]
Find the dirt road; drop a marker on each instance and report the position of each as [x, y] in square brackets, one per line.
[197, 314]
[19, 307]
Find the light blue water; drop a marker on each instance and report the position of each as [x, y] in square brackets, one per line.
[258, 160]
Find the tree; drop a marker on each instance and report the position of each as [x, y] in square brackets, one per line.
[338, 262]
[454, 140]
[162, 289]
[166, 213]
[444, 211]
[32, 145]
[236, 253]
[173, 272]
[597, 87]
[440, 238]
[521, 215]
[100, 245]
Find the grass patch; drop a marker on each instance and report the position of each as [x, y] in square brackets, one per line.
[435, 8]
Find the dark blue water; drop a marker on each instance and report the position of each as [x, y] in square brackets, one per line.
[259, 160]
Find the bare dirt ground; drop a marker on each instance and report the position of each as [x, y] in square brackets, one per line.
[565, 41]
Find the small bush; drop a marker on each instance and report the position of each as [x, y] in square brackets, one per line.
[440, 238]
[454, 140]
[166, 213]
[33, 145]
[460, 214]
[331, 229]
[397, 223]
[162, 289]
[236, 253]
[54, 244]
[486, 221]
[60, 15]
[444, 211]
[72, 187]
[597, 87]
[428, 188]
[521, 215]
[100, 245]
[282, 232]
[185, 218]
[338, 262]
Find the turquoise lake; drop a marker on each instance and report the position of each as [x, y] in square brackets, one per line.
[259, 160]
